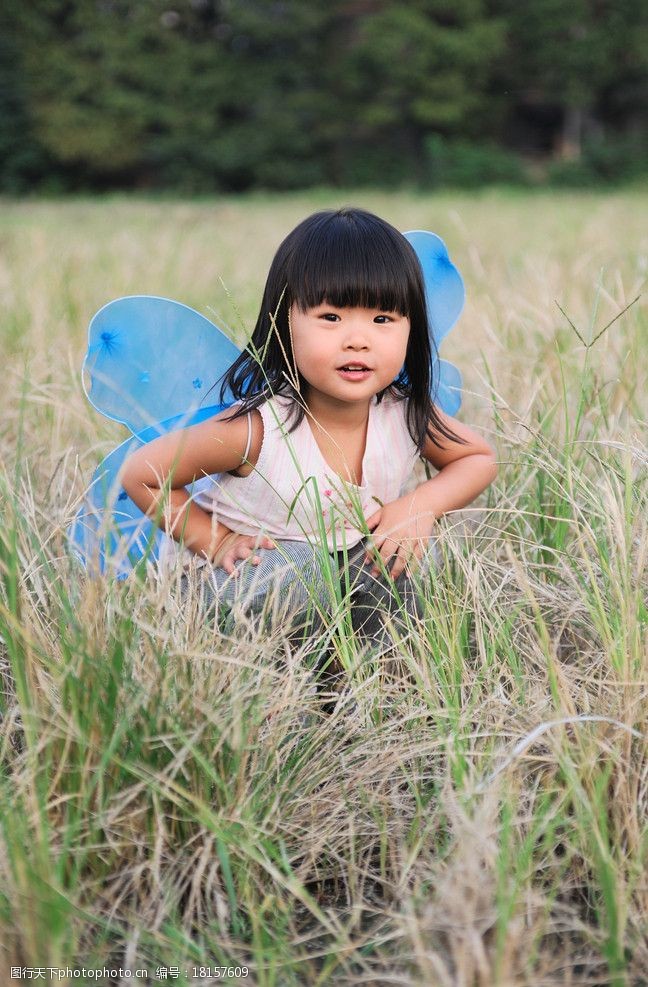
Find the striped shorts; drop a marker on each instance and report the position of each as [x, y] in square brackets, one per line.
[295, 585]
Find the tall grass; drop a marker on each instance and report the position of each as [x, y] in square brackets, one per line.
[471, 811]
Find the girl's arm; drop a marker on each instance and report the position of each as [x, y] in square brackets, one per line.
[402, 527]
[155, 475]
[464, 470]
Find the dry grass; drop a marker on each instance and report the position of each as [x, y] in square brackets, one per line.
[473, 813]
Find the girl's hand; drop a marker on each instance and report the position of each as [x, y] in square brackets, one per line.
[397, 531]
[236, 547]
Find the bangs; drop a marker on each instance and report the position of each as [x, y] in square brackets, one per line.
[353, 261]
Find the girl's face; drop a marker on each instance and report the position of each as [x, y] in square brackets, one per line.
[348, 354]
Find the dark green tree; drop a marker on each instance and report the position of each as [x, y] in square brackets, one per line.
[574, 65]
[22, 158]
[194, 94]
[407, 72]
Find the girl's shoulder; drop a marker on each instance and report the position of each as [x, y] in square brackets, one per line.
[265, 422]
[254, 442]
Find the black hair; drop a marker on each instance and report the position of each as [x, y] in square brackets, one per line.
[349, 258]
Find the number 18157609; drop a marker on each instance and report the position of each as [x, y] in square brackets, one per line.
[220, 972]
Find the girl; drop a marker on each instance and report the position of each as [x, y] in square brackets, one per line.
[333, 410]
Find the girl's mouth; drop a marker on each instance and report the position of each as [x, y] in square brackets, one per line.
[354, 371]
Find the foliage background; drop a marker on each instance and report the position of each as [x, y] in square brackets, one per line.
[228, 95]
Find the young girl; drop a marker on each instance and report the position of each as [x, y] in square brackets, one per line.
[333, 410]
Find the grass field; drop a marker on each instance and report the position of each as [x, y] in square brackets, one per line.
[474, 813]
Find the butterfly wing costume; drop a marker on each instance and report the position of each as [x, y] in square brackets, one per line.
[152, 363]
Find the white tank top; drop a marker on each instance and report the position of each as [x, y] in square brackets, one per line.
[292, 493]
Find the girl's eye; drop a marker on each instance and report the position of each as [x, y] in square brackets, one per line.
[330, 317]
[381, 319]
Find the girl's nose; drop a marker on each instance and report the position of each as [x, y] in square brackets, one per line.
[357, 336]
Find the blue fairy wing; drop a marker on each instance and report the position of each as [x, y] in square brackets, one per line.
[444, 296]
[448, 393]
[151, 358]
[109, 533]
[151, 363]
[444, 288]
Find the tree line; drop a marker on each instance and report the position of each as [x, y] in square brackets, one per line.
[227, 95]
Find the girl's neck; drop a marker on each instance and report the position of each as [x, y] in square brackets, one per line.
[333, 415]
